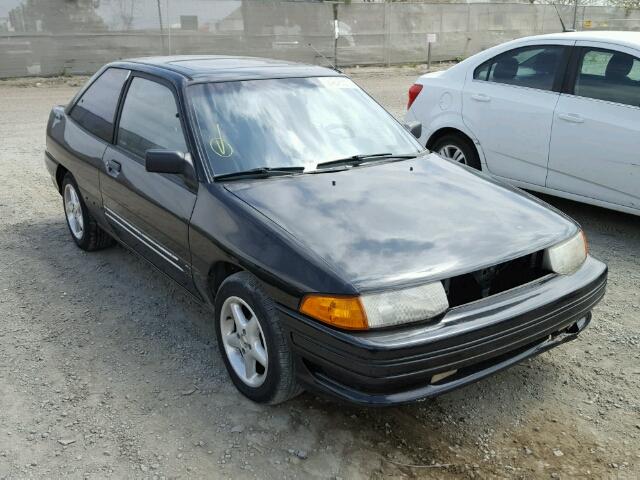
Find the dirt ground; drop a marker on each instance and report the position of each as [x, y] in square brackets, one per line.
[107, 370]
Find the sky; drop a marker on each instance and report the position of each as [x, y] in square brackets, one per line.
[6, 5]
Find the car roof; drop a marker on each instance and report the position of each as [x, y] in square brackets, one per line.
[227, 68]
[631, 39]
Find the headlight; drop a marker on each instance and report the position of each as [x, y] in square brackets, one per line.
[378, 309]
[566, 257]
[404, 306]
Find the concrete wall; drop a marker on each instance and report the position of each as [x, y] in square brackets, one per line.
[50, 37]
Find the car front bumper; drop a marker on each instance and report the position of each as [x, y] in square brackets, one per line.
[398, 366]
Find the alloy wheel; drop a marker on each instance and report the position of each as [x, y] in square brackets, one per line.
[453, 152]
[73, 210]
[243, 341]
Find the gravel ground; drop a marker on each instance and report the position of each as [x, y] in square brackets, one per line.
[108, 370]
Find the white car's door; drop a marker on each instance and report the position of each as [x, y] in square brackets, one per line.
[508, 103]
[594, 150]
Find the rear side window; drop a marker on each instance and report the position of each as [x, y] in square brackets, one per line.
[96, 109]
[150, 119]
[532, 67]
[608, 75]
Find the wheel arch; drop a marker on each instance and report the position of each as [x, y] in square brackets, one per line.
[441, 132]
[438, 134]
[218, 273]
[61, 171]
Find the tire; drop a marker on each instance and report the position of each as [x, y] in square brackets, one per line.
[83, 227]
[276, 381]
[450, 143]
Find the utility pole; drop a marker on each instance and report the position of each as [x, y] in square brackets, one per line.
[161, 28]
[336, 34]
[575, 14]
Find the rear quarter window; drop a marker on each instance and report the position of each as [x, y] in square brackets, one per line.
[95, 110]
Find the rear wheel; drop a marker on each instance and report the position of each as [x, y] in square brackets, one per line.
[82, 226]
[457, 148]
[252, 341]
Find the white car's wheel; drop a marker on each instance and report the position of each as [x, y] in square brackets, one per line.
[453, 152]
[458, 149]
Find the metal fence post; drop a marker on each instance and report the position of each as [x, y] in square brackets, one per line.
[160, 22]
[335, 35]
[387, 35]
[466, 44]
[168, 15]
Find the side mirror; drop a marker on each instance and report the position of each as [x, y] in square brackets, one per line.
[415, 128]
[165, 161]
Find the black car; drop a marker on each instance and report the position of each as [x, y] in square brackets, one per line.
[335, 252]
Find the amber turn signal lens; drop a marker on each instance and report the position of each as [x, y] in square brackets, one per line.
[341, 312]
[586, 242]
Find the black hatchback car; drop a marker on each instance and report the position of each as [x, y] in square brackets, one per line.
[336, 253]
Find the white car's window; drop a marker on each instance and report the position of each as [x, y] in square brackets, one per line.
[150, 119]
[532, 67]
[608, 75]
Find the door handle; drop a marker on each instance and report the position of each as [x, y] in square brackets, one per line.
[481, 97]
[571, 117]
[113, 168]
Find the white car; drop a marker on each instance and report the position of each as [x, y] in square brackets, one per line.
[558, 114]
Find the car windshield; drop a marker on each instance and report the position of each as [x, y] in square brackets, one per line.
[292, 122]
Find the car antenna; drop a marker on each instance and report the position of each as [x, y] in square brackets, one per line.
[333, 67]
[564, 27]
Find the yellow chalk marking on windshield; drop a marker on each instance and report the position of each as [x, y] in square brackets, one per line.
[219, 145]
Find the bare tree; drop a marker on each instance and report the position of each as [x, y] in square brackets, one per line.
[60, 15]
[125, 11]
[627, 4]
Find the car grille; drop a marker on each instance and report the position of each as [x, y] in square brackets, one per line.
[495, 279]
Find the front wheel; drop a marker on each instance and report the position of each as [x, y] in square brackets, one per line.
[252, 342]
[459, 149]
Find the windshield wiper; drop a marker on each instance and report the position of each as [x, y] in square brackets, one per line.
[260, 172]
[355, 160]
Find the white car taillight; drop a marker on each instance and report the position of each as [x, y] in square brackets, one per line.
[414, 91]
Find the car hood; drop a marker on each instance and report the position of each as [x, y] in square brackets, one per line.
[387, 225]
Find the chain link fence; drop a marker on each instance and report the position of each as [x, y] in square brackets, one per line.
[53, 37]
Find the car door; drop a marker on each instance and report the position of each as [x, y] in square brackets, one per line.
[150, 212]
[596, 129]
[508, 104]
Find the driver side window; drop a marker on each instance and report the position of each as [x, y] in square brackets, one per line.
[150, 119]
